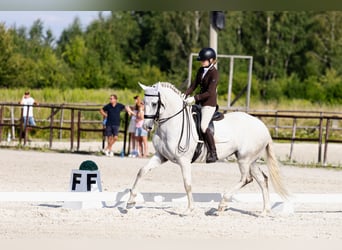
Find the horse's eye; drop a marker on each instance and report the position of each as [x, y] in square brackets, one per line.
[154, 104]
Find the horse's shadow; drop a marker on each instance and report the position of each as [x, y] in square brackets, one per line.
[167, 209]
[210, 212]
[121, 207]
[216, 212]
[124, 210]
[173, 211]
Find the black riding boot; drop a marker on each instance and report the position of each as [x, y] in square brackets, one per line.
[209, 140]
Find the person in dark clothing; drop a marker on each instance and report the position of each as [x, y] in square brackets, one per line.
[111, 112]
[207, 78]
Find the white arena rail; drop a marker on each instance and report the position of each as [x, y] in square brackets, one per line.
[163, 197]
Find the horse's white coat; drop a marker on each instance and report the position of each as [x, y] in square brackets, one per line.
[175, 139]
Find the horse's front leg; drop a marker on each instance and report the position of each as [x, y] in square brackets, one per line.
[155, 161]
[186, 173]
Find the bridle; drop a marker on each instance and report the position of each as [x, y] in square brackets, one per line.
[156, 119]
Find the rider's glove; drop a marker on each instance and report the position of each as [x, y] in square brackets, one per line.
[190, 100]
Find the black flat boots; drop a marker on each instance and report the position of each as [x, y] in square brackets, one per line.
[210, 143]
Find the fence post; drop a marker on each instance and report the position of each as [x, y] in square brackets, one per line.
[72, 129]
[326, 142]
[294, 127]
[61, 121]
[276, 123]
[320, 136]
[1, 121]
[12, 122]
[51, 127]
[78, 129]
[230, 81]
[21, 125]
[26, 123]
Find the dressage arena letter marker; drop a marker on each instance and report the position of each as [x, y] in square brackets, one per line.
[84, 181]
[91, 179]
[75, 180]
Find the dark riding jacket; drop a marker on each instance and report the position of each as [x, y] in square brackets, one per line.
[208, 87]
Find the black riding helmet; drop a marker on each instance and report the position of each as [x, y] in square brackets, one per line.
[206, 54]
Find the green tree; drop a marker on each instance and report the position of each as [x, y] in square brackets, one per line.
[230, 38]
[325, 43]
[6, 64]
[68, 34]
[168, 38]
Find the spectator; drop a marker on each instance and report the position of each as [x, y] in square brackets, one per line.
[140, 132]
[131, 127]
[28, 118]
[111, 112]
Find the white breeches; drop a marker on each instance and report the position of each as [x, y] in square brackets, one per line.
[207, 114]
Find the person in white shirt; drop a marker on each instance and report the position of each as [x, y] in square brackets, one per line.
[28, 102]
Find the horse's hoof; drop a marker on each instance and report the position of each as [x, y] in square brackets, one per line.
[186, 212]
[130, 205]
[123, 210]
[221, 208]
[189, 210]
[211, 212]
[266, 213]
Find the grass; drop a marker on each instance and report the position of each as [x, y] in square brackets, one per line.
[72, 96]
[125, 96]
[293, 105]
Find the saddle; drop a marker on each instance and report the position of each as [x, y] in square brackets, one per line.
[197, 116]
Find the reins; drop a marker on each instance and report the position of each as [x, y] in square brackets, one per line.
[161, 121]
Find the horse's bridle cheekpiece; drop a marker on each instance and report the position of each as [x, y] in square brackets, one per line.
[155, 117]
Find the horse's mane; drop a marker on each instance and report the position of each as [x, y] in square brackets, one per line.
[170, 86]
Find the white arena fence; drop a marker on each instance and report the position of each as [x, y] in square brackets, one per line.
[78, 200]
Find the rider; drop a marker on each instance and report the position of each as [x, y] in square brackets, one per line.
[207, 77]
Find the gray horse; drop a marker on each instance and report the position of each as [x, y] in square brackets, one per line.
[176, 139]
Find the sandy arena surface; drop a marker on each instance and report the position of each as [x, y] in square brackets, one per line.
[29, 171]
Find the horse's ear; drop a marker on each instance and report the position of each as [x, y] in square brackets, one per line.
[157, 86]
[142, 86]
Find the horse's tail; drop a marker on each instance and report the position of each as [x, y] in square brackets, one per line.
[273, 168]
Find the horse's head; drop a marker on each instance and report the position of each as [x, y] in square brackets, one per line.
[156, 98]
[152, 105]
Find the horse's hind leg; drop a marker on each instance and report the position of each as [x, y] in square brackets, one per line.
[155, 161]
[245, 179]
[262, 180]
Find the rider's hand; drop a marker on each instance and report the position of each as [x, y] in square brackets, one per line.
[190, 100]
[183, 96]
